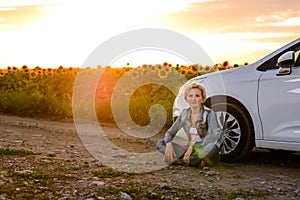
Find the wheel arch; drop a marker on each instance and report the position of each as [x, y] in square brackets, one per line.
[227, 99]
[221, 99]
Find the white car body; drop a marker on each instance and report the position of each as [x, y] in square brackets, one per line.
[268, 95]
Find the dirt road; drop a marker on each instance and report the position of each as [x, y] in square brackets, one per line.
[56, 165]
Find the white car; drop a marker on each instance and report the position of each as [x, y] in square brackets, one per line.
[257, 104]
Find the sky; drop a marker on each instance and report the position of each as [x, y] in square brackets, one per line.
[50, 33]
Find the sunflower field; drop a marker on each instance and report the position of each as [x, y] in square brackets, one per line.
[47, 92]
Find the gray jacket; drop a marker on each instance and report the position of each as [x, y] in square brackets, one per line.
[206, 125]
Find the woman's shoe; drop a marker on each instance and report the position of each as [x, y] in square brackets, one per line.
[177, 162]
[201, 164]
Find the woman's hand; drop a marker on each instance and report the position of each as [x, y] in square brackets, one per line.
[186, 157]
[169, 153]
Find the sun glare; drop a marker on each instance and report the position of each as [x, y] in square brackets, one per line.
[72, 30]
[66, 32]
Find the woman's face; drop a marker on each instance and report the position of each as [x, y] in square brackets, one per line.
[194, 98]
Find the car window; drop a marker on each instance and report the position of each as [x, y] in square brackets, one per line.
[272, 63]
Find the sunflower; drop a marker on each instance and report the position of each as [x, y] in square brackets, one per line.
[201, 68]
[194, 69]
[37, 68]
[32, 74]
[54, 71]
[24, 67]
[14, 69]
[145, 71]
[152, 68]
[162, 74]
[158, 66]
[145, 67]
[39, 72]
[60, 67]
[183, 72]
[74, 73]
[117, 72]
[139, 69]
[225, 64]
[167, 69]
[47, 71]
[2, 73]
[207, 68]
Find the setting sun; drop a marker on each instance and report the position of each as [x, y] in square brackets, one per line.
[52, 33]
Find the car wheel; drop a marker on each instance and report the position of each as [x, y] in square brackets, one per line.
[238, 138]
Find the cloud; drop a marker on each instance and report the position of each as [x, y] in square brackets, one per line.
[295, 21]
[233, 28]
[16, 17]
[235, 16]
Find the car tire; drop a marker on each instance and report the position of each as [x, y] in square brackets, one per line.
[238, 139]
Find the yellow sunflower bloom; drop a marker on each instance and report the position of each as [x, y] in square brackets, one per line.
[39, 72]
[32, 74]
[24, 67]
[14, 69]
[167, 69]
[117, 72]
[37, 68]
[207, 68]
[2, 73]
[158, 66]
[162, 74]
[183, 72]
[60, 68]
[194, 69]
[152, 68]
[63, 71]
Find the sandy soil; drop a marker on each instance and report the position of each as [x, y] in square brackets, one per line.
[58, 150]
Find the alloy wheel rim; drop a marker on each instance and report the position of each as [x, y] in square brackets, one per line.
[232, 132]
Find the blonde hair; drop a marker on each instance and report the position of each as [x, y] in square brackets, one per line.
[194, 85]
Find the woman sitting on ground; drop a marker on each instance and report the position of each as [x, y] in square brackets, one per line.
[200, 125]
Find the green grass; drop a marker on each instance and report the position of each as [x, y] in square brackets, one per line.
[248, 193]
[107, 173]
[15, 152]
[44, 178]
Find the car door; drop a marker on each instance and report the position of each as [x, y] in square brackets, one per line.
[279, 105]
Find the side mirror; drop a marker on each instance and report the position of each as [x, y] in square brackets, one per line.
[285, 62]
